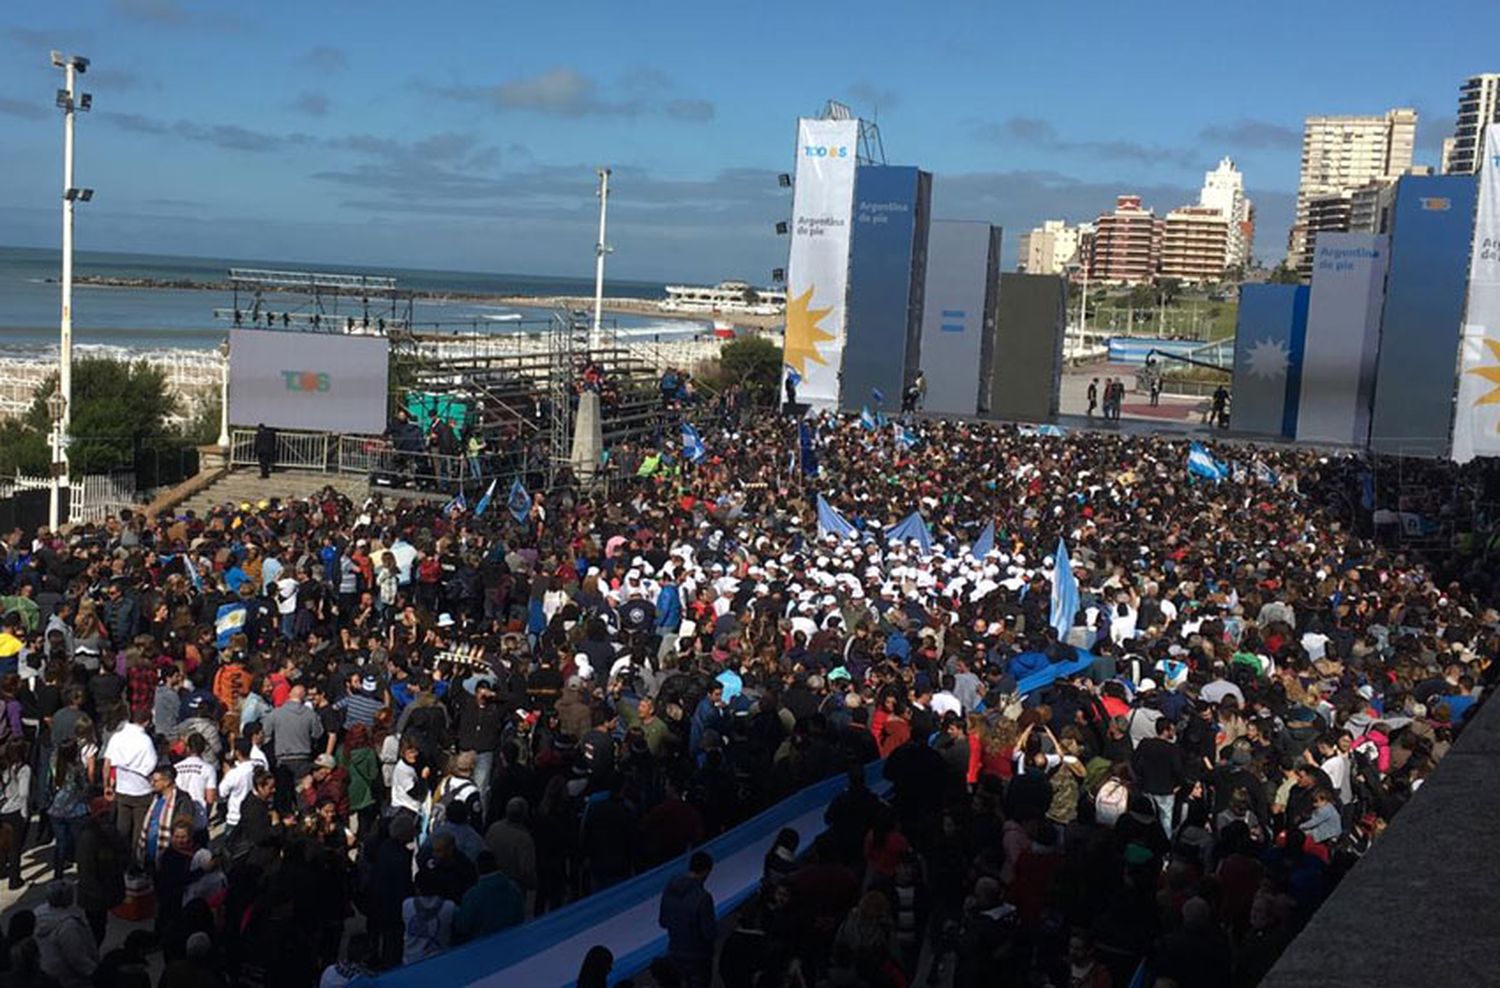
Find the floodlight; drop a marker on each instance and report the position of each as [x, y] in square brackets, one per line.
[62, 99]
[81, 64]
[57, 58]
[778, 274]
[86, 194]
[784, 180]
[782, 228]
[86, 101]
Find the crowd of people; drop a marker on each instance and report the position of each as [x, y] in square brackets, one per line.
[297, 742]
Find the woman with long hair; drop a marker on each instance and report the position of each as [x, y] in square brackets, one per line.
[69, 807]
[15, 798]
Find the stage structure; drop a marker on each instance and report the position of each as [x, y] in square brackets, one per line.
[887, 268]
[517, 389]
[1026, 365]
[958, 315]
[1432, 231]
[316, 301]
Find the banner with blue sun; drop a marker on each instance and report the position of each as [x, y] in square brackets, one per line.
[1268, 346]
[818, 265]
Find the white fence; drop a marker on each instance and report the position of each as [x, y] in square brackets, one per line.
[90, 499]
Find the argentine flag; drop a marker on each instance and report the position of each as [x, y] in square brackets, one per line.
[906, 437]
[1064, 592]
[866, 420]
[519, 502]
[830, 522]
[457, 503]
[1265, 474]
[484, 501]
[693, 449]
[229, 621]
[1200, 463]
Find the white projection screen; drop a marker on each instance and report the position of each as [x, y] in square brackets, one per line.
[317, 382]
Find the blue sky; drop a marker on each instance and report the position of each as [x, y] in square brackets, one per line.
[465, 134]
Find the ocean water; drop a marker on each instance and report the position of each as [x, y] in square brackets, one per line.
[152, 318]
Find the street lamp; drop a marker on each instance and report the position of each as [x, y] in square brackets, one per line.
[69, 101]
[224, 396]
[57, 410]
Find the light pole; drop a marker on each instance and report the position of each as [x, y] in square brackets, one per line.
[57, 411]
[600, 249]
[224, 397]
[68, 101]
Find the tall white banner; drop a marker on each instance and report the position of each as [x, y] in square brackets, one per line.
[818, 269]
[1476, 421]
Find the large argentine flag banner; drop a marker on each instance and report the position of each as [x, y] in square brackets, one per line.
[1268, 345]
[818, 268]
[1476, 421]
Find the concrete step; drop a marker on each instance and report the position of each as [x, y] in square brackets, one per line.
[244, 484]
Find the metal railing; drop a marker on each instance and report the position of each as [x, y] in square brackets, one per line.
[294, 450]
[90, 499]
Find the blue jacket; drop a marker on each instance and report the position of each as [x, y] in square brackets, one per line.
[704, 717]
[669, 609]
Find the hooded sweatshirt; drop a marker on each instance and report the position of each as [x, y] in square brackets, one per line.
[67, 946]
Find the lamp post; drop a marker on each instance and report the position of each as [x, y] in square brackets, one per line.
[602, 248]
[224, 397]
[57, 411]
[69, 101]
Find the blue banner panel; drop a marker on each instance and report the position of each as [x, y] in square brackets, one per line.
[890, 224]
[1268, 345]
[956, 316]
[1415, 375]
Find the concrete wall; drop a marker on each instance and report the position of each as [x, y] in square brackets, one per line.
[1420, 908]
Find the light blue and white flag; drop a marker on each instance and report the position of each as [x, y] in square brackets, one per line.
[1064, 591]
[911, 528]
[866, 420]
[1266, 475]
[192, 571]
[906, 437]
[830, 522]
[457, 504]
[1200, 463]
[229, 621]
[519, 502]
[985, 544]
[693, 449]
[484, 500]
[878, 395]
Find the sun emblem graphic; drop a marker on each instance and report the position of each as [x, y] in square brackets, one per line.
[1491, 374]
[1268, 359]
[803, 333]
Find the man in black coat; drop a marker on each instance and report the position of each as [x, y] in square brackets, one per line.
[265, 449]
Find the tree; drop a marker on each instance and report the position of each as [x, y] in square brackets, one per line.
[1284, 274]
[754, 363]
[1170, 288]
[117, 405]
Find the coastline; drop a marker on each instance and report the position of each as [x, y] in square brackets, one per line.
[626, 305]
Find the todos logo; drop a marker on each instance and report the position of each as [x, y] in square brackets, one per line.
[306, 380]
[825, 151]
